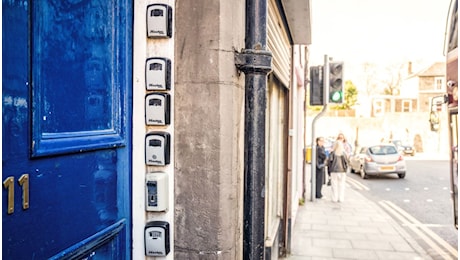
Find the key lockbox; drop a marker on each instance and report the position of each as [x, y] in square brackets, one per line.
[157, 109]
[158, 74]
[156, 191]
[159, 21]
[156, 234]
[157, 148]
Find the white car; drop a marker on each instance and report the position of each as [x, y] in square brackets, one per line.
[377, 160]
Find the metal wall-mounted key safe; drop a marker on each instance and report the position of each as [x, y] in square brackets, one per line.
[158, 109]
[156, 235]
[159, 21]
[156, 191]
[158, 74]
[157, 148]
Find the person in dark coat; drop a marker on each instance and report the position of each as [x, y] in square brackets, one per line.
[320, 163]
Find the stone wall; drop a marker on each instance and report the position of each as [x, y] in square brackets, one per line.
[209, 120]
[370, 130]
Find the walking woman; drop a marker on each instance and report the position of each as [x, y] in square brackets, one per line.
[338, 163]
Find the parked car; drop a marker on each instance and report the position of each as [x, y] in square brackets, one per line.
[404, 148]
[377, 160]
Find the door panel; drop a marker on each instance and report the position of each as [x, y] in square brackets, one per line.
[65, 129]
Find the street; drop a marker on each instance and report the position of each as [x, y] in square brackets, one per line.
[420, 202]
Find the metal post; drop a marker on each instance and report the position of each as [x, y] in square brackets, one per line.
[255, 62]
[313, 131]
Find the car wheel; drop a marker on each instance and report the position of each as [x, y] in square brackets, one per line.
[362, 173]
[401, 175]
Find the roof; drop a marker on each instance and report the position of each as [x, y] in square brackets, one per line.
[436, 69]
[298, 16]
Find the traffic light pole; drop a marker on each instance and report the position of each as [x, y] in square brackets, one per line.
[313, 131]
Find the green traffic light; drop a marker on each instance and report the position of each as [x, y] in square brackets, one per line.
[335, 82]
[336, 96]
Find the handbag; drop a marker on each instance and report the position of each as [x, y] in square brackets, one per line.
[330, 160]
[344, 162]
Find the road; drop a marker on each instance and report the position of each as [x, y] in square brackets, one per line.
[420, 202]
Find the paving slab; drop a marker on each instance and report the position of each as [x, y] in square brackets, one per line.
[357, 228]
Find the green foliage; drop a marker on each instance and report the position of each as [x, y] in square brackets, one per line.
[351, 94]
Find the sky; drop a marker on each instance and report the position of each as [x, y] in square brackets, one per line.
[378, 32]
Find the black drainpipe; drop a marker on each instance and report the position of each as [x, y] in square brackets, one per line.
[255, 62]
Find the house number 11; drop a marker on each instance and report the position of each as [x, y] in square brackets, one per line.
[9, 185]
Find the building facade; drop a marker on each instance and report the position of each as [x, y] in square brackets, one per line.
[431, 83]
[125, 128]
[209, 127]
[416, 91]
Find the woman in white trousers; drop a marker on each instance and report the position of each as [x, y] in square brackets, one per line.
[338, 164]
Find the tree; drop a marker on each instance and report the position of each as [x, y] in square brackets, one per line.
[351, 94]
[393, 79]
[371, 82]
[384, 79]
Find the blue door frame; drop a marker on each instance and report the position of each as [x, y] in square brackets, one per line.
[66, 129]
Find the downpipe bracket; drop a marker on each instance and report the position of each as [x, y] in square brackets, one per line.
[253, 61]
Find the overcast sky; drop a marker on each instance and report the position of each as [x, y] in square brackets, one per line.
[375, 31]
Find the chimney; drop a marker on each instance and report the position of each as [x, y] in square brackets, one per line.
[409, 68]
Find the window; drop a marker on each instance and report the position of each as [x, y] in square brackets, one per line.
[383, 150]
[438, 83]
[276, 138]
[379, 107]
[452, 35]
[406, 106]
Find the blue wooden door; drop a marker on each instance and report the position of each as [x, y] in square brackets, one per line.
[66, 129]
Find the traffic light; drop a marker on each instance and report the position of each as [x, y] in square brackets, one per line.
[336, 82]
[316, 86]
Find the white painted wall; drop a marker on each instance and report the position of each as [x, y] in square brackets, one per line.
[144, 48]
[372, 129]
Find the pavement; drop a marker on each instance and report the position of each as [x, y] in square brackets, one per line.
[357, 228]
